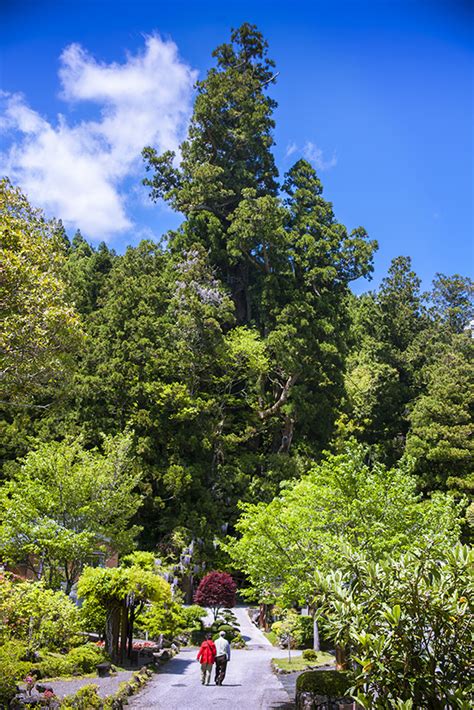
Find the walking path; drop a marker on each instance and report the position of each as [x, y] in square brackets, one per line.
[106, 686]
[249, 683]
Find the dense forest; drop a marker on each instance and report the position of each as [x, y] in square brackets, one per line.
[210, 366]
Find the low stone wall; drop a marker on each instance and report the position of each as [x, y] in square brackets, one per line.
[323, 690]
[312, 701]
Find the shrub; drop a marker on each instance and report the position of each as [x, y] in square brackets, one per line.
[82, 659]
[306, 630]
[92, 617]
[53, 665]
[86, 698]
[216, 590]
[85, 658]
[309, 654]
[230, 632]
[226, 616]
[192, 616]
[30, 612]
[331, 683]
[12, 669]
[238, 642]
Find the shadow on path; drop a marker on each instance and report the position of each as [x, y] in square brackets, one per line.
[177, 667]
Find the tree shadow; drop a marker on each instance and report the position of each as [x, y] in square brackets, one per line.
[176, 666]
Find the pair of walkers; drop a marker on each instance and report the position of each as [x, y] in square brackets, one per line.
[211, 652]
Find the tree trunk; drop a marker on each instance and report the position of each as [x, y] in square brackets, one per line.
[124, 629]
[130, 632]
[109, 632]
[341, 658]
[316, 643]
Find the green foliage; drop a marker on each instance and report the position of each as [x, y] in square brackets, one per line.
[309, 654]
[193, 616]
[36, 615]
[40, 329]
[78, 661]
[168, 620]
[65, 503]
[441, 418]
[405, 621]
[13, 668]
[289, 629]
[344, 501]
[86, 698]
[452, 301]
[123, 593]
[237, 641]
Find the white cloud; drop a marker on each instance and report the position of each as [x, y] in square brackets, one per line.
[315, 156]
[76, 170]
[290, 149]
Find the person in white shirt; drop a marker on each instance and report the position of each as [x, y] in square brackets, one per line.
[222, 657]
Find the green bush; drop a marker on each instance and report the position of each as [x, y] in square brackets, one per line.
[12, 669]
[80, 660]
[238, 642]
[192, 616]
[39, 616]
[85, 658]
[307, 630]
[53, 665]
[229, 630]
[331, 683]
[226, 616]
[92, 617]
[86, 698]
[309, 655]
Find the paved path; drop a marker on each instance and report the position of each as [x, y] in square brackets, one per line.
[107, 686]
[249, 683]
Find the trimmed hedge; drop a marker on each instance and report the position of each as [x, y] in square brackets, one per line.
[331, 683]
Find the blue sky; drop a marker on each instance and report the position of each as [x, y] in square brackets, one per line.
[379, 95]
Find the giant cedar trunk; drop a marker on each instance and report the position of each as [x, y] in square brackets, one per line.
[237, 280]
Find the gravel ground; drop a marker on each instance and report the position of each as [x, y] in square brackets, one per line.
[107, 686]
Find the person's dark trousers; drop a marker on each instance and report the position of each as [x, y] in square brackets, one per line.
[221, 665]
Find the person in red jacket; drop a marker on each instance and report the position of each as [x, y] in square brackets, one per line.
[206, 655]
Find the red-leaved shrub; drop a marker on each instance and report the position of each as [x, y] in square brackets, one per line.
[216, 590]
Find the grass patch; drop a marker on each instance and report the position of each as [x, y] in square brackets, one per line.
[272, 637]
[298, 663]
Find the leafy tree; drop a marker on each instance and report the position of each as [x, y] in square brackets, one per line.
[63, 504]
[285, 260]
[85, 272]
[404, 621]
[216, 590]
[122, 592]
[227, 151]
[452, 301]
[344, 501]
[440, 433]
[40, 329]
[389, 349]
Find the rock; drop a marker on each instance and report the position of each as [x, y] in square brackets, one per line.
[103, 669]
[22, 700]
[164, 655]
[42, 687]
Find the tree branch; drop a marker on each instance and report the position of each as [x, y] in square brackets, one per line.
[270, 411]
